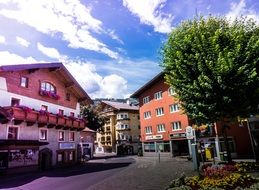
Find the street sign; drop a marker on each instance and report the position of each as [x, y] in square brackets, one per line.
[189, 132]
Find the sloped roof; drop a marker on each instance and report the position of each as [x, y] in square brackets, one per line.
[86, 129]
[121, 105]
[147, 85]
[60, 68]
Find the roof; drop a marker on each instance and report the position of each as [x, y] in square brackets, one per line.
[86, 129]
[147, 85]
[121, 105]
[60, 68]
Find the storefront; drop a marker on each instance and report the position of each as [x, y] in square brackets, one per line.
[155, 144]
[179, 144]
[20, 154]
[66, 154]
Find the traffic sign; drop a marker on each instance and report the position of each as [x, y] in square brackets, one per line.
[189, 132]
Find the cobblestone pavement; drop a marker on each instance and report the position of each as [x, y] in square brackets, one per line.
[147, 173]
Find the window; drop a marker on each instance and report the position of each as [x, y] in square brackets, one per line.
[48, 87]
[145, 99]
[60, 112]
[158, 95]
[147, 115]
[163, 146]
[122, 116]
[71, 136]
[176, 126]
[68, 96]
[24, 82]
[61, 135]
[171, 91]
[44, 108]
[174, 108]
[159, 111]
[15, 102]
[123, 126]
[148, 130]
[43, 134]
[72, 114]
[149, 147]
[12, 133]
[161, 128]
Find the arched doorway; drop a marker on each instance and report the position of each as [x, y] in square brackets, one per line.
[45, 159]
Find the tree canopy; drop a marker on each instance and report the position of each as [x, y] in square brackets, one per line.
[213, 65]
[94, 120]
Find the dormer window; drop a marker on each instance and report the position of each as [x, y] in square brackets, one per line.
[48, 89]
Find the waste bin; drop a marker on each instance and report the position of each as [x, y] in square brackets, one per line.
[208, 153]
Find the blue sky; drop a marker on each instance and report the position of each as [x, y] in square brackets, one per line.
[110, 46]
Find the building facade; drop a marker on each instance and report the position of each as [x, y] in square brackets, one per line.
[40, 122]
[163, 126]
[121, 131]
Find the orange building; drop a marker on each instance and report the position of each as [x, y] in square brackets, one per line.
[163, 125]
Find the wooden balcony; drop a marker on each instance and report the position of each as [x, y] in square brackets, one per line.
[69, 123]
[76, 124]
[31, 117]
[43, 118]
[18, 115]
[52, 120]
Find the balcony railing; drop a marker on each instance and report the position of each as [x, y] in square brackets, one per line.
[43, 118]
[122, 129]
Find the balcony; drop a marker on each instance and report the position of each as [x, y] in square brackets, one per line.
[123, 119]
[31, 117]
[123, 129]
[43, 118]
[52, 121]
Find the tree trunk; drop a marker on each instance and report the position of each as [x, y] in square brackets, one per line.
[225, 136]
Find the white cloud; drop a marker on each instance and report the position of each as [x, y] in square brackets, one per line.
[240, 9]
[114, 36]
[149, 12]
[8, 58]
[2, 39]
[50, 52]
[68, 18]
[110, 86]
[22, 41]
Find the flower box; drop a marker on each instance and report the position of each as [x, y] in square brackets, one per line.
[76, 123]
[43, 116]
[32, 116]
[61, 121]
[18, 113]
[82, 124]
[49, 94]
[68, 122]
[52, 120]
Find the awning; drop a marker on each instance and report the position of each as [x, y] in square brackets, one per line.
[4, 142]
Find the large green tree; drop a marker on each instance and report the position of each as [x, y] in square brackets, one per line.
[91, 113]
[211, 63]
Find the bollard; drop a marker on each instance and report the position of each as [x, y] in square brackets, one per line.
[195, 159]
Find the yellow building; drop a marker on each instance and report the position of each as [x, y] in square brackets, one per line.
[121, 131]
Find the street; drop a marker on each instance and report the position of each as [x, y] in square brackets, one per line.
[129, 172]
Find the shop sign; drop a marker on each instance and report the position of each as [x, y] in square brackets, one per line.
[178, 135]
[154, 137]
[189, 133]
[67, 145]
